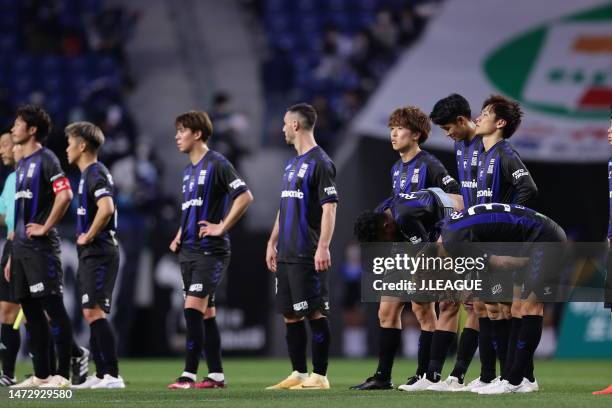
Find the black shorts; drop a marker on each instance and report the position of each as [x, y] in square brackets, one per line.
[544, 271]
[36, 273]
[97, 274]
[6, 294]
[300, 289]
[202, 273]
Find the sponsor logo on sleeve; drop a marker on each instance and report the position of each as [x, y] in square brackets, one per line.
[330, 191]
[101, 191]
[237, 183]
[520, 173]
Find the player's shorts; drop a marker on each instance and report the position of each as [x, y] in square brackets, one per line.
[36, 273]
[300, 289]
[6, 294]
[202, 273]
[97, 274]
[543, 274]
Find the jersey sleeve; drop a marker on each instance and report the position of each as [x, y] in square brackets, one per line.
[325, 179]
[230, 181]
[99, 186]
[514, 171]
[52, 173]
[437, 176]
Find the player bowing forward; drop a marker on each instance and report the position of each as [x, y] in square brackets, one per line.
[298, 249]
[97, 248]
[202, 242]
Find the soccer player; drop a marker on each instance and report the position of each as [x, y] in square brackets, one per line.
[298, 249]
[453, 115]
[42, 197]
[97, 248]
[496, 222]
[202, 242]
[415, 170]
[502, 178]
[9, 308]
[608, 390]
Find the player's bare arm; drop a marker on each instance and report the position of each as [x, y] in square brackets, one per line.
[106, 209]
[239, 207]
[271, 252]
[328, 220]
[60, 206]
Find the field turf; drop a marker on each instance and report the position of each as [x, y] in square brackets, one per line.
[562, 384]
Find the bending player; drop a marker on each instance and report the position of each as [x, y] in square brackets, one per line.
[415, 170]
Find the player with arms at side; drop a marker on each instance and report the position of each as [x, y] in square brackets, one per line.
[97, 248]
[298, 249]
[9, 308]
[202, 242]
[415, 170]
[454, 116]
[502, 178]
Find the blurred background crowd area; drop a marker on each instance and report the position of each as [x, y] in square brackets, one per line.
[131, 67]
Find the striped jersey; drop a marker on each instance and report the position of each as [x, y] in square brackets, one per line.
[39, 178]
[495, 222]
[308, 183]
[467, 155]
[96, 182]
[503, 178]
[417, 215]
[207, 189]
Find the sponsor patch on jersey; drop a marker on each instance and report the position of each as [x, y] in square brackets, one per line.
[101, 191]
[491, 166]
[24, 194]
[330, 191]
[85, 299]
[292, 194]
[237, 183]
[31, 170]
[194, 202]
[302, 171]
[407, 196]
[520, 173]
[81, 184]
[202, 177]
[415, 176]
[81, 211]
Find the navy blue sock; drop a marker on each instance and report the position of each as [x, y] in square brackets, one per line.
[212, 346]
[424, 352]
[296, 344]
[529, 338]
[440, 344]
[487, 351]
[61, 330]
[195, 339]
[320, 345]
[105, 340]
[501, 335]
[465, 352]
[96, 355]
[388, 343]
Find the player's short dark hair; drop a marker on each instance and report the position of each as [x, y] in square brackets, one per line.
[368, 226]
[448, 109]
[412, 118]
[196, 120]
[506, 109]
[34, 115]
[90, 133]
[308, 115]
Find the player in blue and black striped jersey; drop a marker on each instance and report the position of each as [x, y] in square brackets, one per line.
[97, 248]
[210, 185]
[42, 197]
[298, 249]
[410, 217]
[454, 116]
[502, 178]
[494, 222]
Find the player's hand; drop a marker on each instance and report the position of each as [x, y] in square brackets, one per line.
[7, 270]
[35, 230]
[208, 228]
[84, 239]
[322, 259]
[271, 257]
[174, 245]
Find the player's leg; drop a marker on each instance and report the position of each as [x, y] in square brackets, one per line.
[10, 340]
[389, 339]
[501, 334]
[311, 295]
[486, 350]
[468, 343]
[515, 329]
[95, 302]
[212, 349]
[443, 337]
[295, 329]
[426, 316]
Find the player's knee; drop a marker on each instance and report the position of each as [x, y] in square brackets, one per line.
[449, 308]
[210, 313]
[192, 302]
[532, 309]
[426, 317]
[291, 318]
[388, 318]
[91, 315]
[516, 309]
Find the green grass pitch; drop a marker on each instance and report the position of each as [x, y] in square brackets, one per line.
[562, 384]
